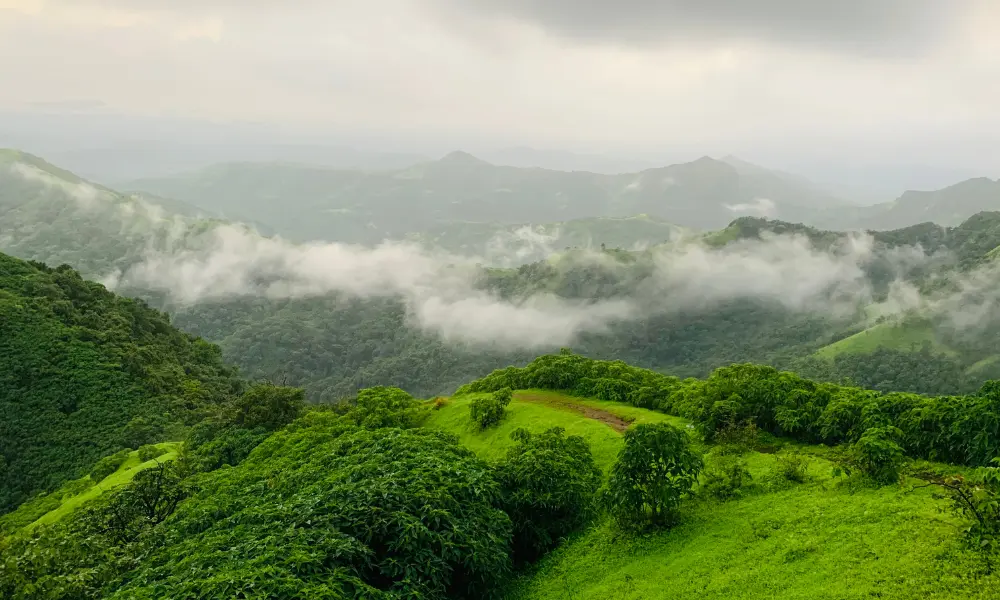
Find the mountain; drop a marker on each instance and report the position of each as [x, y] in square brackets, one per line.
[558, 160]
[84, 373]
[305, 203]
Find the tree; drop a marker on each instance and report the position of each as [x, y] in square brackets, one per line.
[655, 469]
[267, 405]
[488, 411]
[549, 486]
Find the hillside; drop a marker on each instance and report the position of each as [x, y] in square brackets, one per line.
[307, 203]
[84, 373]
[788, 498]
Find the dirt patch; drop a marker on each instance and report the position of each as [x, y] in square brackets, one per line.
[613, 421]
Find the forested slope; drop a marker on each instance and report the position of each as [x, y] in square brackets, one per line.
[84, 372]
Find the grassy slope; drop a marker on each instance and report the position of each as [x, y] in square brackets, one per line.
[538, 416]
[885, 335]
[813, 541]
[75, 494]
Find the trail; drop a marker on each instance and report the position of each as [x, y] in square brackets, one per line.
[614, 421]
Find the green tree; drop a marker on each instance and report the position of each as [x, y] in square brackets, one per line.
[655, 469]
[549, 483]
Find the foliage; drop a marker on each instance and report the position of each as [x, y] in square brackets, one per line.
[737, 438]
[108, 465]
[726, 478]
[977, 499]
[267, 406]
[878, 455]
[387, 407]
[489, 410]
[149, 452]
[655, 469]
[549, 486]
[792, 467]
[151, 497]
[85, 373]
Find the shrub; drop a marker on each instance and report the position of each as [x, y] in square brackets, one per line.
[108, 465]
[726, 479]
[878, 455]
[655, 469]
[149, 452]
[268, 406]
[738, 438]
[792, 467]
[383, 406]
[977, 500]
[487, 412]
[549, 484]
[146, 501]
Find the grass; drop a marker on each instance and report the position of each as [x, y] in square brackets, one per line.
[907, 336]
[821, 540]
[546, 410]
[123, 475]
[987, 362]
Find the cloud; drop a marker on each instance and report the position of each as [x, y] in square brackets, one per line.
[856, 25]
[761, 207]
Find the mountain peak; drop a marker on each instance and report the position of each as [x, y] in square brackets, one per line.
[458, 157]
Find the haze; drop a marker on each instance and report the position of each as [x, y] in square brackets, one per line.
[833, 90]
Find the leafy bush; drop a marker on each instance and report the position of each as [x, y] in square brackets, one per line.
[146, 501]
[335, 512]
[487, 412]
[792, 467]
[977, 500]
[268, 406]
[108, 465]
[738, 438]
[549, 484]
[149, 452]
[381, 406]
[655, 469]
[877, 454]
[726, 479]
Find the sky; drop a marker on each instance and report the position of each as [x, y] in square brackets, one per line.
[782, 81]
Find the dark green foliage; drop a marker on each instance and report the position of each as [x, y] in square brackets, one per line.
[267, 406]
[108, 465]
[332, 512]
[146, 501]
[549, 484]
[149, 452]
[726, 478]
[85, 373]
[655, 469]
[489, 410]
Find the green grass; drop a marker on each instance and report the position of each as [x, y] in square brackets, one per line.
[905, 336]
[815, 541]
[987, 362]
[549, 411]
[123, 475]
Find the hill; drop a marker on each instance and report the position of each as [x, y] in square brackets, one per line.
[306, 203]
[84, 373]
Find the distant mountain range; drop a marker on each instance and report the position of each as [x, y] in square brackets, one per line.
[308, 202]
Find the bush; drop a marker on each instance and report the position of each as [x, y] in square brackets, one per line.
[792, 467]
[976, 499]
[549, 484]
[108, 465]
[738, 438]
[268, 406]
[487, 412]
[149, 452]
[146, 501]
[655, 469]
[726, 479]
[382, 406]
[321, 513]
[878, 455]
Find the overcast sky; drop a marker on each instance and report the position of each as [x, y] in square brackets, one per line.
[914, 79]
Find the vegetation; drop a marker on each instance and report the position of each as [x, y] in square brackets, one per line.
[654, 471]
[488, 411]
[85, 373]
[549, 486]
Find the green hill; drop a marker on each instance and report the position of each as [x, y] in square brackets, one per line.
[84, 372]
[905, 336]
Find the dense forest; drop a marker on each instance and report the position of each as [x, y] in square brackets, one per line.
[84, 373]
